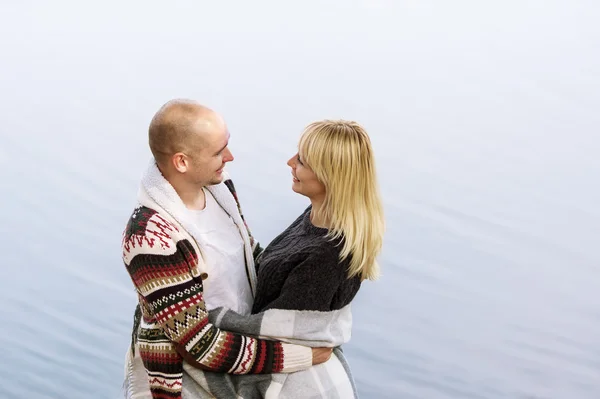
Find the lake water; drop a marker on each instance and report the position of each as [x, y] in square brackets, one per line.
[485, 121]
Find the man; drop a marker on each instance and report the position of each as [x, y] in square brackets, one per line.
[187, 250]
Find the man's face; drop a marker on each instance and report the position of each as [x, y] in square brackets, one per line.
[210, 158]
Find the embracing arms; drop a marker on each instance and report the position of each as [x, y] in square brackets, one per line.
[161, 270]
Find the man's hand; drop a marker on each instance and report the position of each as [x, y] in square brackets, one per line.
[321, 355]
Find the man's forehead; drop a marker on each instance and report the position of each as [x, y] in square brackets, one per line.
[216, 140]
[211, 129]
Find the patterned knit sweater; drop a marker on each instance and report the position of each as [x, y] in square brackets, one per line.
[163, 262]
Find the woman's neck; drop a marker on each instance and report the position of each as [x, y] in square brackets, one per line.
[316, 217]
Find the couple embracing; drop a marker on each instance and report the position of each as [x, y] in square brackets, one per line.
[221, 317]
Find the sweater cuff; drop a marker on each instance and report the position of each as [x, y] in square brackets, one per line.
[296, 358]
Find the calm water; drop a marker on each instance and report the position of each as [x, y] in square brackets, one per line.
[485, 122]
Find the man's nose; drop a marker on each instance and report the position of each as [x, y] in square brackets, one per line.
[227, 156]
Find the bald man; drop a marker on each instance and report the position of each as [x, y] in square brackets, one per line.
[189, 143]
[188, 250]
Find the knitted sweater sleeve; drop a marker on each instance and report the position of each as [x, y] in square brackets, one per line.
[174, 300]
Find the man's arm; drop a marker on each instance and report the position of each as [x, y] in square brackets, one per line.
[176, 303]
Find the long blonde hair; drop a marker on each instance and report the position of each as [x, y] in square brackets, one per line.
[340, 154]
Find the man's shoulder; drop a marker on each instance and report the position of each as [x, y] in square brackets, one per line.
[149, 232]
[138, 221]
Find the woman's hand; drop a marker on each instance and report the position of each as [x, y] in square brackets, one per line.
[321, 355]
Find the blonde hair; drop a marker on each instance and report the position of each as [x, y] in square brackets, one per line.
[340, 154]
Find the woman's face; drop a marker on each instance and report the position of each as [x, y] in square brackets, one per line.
[305, 181]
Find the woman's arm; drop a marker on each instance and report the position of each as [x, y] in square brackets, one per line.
[302, 313]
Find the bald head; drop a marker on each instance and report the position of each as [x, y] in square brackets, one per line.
[181, 126]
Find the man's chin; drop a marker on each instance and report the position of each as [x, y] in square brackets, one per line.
[217, 180]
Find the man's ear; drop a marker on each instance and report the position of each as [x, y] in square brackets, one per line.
[180, 162]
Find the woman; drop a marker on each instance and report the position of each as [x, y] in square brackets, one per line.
[309, 274]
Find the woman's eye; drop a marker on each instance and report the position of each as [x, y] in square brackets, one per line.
[299, 161]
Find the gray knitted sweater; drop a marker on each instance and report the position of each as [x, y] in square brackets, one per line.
[300, 270]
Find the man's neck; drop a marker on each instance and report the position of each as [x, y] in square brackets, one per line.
[193, 197]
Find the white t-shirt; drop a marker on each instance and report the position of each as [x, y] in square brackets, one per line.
[223, 249]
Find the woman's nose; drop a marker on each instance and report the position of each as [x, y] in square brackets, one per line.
[291, 162]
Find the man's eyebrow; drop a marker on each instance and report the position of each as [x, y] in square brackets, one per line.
[226, 144]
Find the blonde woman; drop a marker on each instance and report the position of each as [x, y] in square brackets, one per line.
[310, 273]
